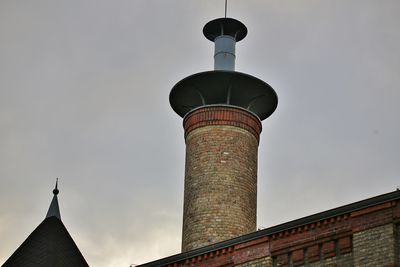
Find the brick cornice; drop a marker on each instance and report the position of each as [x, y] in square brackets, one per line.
[373, 209]
[338, 225]
[222, 115]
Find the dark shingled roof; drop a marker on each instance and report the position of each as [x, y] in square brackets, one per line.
[49, 245]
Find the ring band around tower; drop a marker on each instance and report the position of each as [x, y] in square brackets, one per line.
[224, 85]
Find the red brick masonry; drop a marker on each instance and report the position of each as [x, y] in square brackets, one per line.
[222, 115]
[364, 233]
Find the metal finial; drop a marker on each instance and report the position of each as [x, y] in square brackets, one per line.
[226, 7]
[56, 191]
[54, 210]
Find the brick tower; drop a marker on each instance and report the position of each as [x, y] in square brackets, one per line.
[222, 112]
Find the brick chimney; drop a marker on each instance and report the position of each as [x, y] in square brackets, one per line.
[222, 112]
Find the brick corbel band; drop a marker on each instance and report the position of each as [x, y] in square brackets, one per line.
[222, 115]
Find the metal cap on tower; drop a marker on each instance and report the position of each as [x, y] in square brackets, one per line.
[224, 32]
[224, 85]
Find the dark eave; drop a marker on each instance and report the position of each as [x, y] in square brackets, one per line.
[395, 195]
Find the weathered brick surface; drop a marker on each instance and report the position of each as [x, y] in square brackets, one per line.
[375, 247]
[222, 115]
[263, 262]
[251, 251]
[337, 261]
[298, 257]
[335, 242]
[398, 243]
[372, 217]
[220, 197]
[312, 254]
[327, 251]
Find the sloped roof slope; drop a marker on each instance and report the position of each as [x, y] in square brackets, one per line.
[49, 245]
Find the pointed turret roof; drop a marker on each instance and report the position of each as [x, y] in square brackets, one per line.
[54, 210]
[49, 244]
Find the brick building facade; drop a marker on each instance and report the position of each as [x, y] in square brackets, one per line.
[364, 233]
[222, 112]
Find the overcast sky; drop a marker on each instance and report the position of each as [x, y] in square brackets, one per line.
[84, 91]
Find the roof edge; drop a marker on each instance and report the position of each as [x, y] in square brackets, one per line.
[362, 204]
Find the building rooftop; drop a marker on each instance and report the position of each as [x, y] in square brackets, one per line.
[339, 211]
[49, 244]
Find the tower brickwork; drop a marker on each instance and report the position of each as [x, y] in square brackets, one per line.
[222, 112]
[220, 199]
